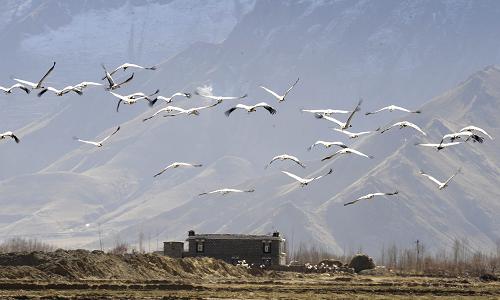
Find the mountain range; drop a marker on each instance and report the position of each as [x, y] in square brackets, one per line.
[400, 52]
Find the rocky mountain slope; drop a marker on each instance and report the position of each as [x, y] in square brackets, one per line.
[341, 51]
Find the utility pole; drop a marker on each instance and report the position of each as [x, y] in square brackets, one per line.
[99, 231]
[417, 268]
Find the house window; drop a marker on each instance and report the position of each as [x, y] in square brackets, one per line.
[200, 247]
[266, 247]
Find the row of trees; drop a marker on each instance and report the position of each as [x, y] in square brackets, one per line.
[459, 259]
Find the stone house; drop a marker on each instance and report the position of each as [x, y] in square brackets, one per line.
[259, 250]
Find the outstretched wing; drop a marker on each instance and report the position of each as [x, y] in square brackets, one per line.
[330, 156]
[331, 119]
[39, 84]
[352, 202]
[126, 80]
[161, 172]
[358, 108]
[290, 88]
[320, 176]
[293, 176]
[106, 138]
[431, 178]
[266, 106]
[271, 92]
[229, 111]
[451, 177]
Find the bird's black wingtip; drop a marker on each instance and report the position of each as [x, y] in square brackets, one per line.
[188, 95]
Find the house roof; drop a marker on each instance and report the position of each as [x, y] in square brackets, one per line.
[218, 236]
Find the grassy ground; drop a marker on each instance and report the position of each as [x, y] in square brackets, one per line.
[283, 286]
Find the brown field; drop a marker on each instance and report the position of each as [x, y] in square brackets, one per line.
[272, 286]
[71, 274]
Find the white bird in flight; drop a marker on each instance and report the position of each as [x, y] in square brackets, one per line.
[402, 125]
[36, 85]
[167, 109]
[438, 146]
[392, 108]
[286, 157]
[132, 99]
[86, 84]
[467, 135]
[327, 144]
[99, 143]
[227, 191]
[305, 181]
[169, 99]
[441, 185]
[9, 134]
[326, 112]
[352, 135]
[112, 84]
[347, 151]
[175, 165]
[17, 85]
[195, 111]
[279, 97]
[217, 98]
[347, 123]
[251, 108]
[125, 66]
[474, 128]
[370, 196]
[61, 92]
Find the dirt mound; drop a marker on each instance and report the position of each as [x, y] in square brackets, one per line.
[83, 264]
[361, 262]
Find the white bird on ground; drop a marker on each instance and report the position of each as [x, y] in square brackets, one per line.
[112, 84]
[36, 85]
[327, 144]
[195, 111]
[17, 85]
[279, 97]
[441, 185]
[175, 165]
[370, 196]
[251, 108]
[306, 181]
[392, 108]
[131, 100]
[227, 191]
[125, 66]
[61, 92]
[326, 112]
[285, 157]
[9, 134]
[352, 135]
[217, 98]
[347, 151]
[466, 135]
[474, 128]
[347, 123]
[438, 146]
[99, 143]
[402, 125]
[169, 99]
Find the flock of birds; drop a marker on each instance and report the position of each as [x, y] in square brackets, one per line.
[469, 133]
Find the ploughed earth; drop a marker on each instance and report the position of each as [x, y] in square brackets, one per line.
[95, 275]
